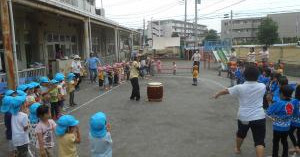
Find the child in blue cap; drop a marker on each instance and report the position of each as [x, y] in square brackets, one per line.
[19, 124]
[33, 119]
[100, 138]
[45, 87]
[295, 125]
[30, 99]
[68, 136]
[72, 81]
[7, 120]
[54, 98]
[62, 92]
[281, 112]
[45, 132]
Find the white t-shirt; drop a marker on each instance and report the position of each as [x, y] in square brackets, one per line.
[19, 135]
[251, 57]
[196, 57]
[264, 54]
[76, 66]
[250, 96]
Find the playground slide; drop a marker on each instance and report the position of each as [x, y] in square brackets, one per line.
[218, 58]
[226, 54]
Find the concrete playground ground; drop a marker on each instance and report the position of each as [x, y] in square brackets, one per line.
[187, 123]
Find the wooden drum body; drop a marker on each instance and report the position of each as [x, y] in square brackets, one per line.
[155, 91]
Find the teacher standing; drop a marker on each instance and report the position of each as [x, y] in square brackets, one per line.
[76, 69]
[196, 58]
[134, 79]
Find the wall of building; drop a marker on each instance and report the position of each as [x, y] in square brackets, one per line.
[288, 24]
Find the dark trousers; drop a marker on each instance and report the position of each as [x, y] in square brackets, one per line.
[280, 136]
[135, 88]
[195, 81]
[93, 75]
[71, 101]
[54, 109]
[296, 142]
[77, 76]
[258, 128]
[22, 151]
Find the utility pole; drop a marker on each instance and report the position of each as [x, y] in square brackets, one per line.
[143, 38]
[13, 35]
[196, 23]
[231, 26]
[185, 14]
[151, 32]
[7, 44]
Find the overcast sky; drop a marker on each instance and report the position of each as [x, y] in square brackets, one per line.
[132, 12]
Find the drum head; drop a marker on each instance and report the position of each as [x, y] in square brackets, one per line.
[154, 84]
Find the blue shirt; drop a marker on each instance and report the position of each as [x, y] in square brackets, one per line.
[296, 114]
[282, 112]
[263, 79]
[101, 147]
[274, 86]
[93, 62]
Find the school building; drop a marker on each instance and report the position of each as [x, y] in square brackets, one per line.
[48, 32]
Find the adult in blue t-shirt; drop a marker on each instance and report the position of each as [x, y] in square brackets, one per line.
[92, 64]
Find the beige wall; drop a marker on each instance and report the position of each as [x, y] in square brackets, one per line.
[287, 54]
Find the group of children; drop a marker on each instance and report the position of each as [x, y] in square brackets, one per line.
[30, 115]
[113, 75]
[280, 106]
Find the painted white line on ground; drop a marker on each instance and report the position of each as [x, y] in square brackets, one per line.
[95, 98]
[203, 79]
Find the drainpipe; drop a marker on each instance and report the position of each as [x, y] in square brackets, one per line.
[12, 25]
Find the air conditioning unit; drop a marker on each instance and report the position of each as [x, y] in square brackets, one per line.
[100, 12]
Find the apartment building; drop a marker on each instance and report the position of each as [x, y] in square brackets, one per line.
[241, 31]
[173, 28]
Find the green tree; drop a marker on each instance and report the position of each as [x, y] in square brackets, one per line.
[267, 32]
[211, 35]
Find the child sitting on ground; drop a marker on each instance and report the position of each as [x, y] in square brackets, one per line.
[195, 75]
[281, 112]
[68, 136]
[45, 132]
[100, 138]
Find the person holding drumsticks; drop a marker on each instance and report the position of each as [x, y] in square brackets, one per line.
[134, 79]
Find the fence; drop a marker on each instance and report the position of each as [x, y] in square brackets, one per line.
[25, 76]
[169, 70]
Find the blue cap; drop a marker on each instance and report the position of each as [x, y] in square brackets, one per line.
[16, 103]
[30, 86]
[63, 123]
[44, 79]
[59, 77]
[22, 87]
[32, 113]
[6, 104]
[54, 81]
[9, 92]
[35, 84]
[21, 93]
[71, 76]
[98, 125]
